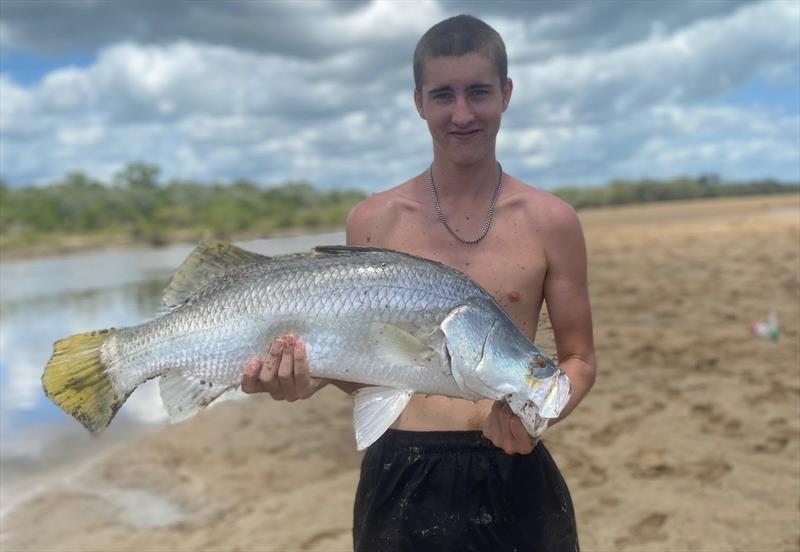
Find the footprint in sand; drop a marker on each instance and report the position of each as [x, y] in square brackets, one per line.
[650, 464]
[655, 463]
[628, 400]
[606, 435]
[331, 539]
[587, 472]
[780, 435]
[772, 444]
[610, 432]
[647, 529]
[707, 470]
[716, 421]
[777, 392]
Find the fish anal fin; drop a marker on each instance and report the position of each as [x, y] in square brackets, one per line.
[375, 409]
[209, 260]
[184, 395]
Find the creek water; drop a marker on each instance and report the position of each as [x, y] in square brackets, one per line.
[45, 299]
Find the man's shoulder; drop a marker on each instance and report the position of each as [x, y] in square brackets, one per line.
[540, 204]
[379, 210]
[380, 204]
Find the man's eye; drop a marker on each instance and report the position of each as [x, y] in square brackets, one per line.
[441, 96]
[479, 93]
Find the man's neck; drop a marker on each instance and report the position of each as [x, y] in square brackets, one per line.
[465, 182]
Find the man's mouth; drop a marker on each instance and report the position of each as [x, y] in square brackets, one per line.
[465, 133]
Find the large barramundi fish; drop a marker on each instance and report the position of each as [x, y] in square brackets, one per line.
[398, 323]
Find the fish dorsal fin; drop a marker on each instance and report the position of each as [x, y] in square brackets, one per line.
[344, 249]
[209, 260]
[375, 409]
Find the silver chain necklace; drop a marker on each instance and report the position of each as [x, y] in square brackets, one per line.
[443, 218]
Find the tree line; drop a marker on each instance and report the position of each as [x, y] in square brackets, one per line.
[622, 192]
[135, 204]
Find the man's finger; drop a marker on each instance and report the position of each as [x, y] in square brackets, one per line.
[517, 430]
[491, 428]
[302, 379]
[524, 442]
[286, 374]
[269, 371]
[519, 440]
[505, 432]
[250, 381]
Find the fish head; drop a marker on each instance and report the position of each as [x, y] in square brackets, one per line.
[491, 358]
[531, 383]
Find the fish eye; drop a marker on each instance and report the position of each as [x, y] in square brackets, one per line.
[541, 362]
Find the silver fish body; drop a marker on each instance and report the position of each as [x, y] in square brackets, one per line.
[398, 323]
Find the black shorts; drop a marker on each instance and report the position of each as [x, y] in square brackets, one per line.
[456, 491]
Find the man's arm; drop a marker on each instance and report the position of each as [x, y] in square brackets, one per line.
[567, 296]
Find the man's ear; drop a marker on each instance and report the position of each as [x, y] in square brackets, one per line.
[507, 89]
[418, 102]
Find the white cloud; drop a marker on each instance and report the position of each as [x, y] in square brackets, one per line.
[582, 107]
[384, 21]
[697, 63]
[81, 137]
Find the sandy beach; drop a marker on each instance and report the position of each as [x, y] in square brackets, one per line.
[690, 440]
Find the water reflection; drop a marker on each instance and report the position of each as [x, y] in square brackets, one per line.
[29, 326]
[43, 300]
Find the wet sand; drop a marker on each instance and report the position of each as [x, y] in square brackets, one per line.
[690, 439]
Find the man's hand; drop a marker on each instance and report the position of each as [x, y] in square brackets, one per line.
[505, 430]
[284, 374]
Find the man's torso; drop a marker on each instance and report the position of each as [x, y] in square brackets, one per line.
[510, 264]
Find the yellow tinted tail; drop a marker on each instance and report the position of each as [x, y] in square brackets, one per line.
[75, 379]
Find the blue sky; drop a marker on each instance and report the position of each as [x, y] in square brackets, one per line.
[269, 91]
[27, 67]
[758, 91]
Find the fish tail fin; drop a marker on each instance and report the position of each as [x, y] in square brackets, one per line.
[76, 379]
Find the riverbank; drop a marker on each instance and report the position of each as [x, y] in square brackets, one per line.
[65, 244]
[690, 439]
[13, 247]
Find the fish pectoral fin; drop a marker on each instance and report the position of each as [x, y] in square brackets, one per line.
[184, 396]
[374, 410]
[209, 260]
[397, 347]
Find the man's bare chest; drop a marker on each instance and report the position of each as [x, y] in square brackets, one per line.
[509, 266]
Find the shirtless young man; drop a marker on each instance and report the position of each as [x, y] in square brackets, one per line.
[453, 474]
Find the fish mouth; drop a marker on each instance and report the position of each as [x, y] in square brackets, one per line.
[557, 396]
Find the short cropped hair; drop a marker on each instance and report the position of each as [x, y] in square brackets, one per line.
[457, 36]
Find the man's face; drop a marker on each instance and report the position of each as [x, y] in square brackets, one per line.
[462, 101]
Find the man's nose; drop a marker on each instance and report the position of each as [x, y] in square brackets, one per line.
[462, 112]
